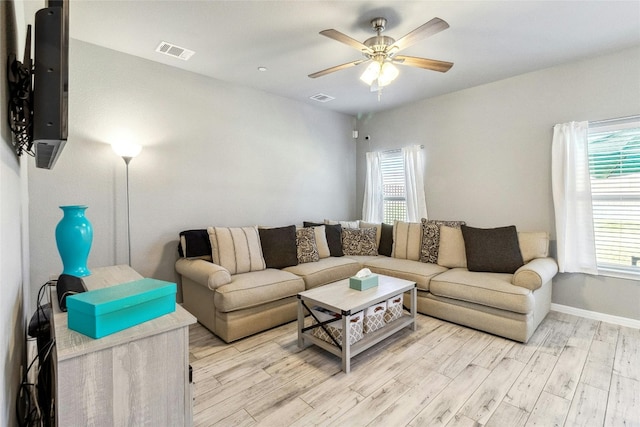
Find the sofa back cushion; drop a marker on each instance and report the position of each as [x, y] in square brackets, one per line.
[407, 237]
[533, 244]
[237, 249]
[333, 234]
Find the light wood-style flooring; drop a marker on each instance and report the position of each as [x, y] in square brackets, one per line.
[573, 372]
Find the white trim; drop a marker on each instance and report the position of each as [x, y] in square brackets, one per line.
[616, 320]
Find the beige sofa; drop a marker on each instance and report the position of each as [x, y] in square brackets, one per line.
[510, 305]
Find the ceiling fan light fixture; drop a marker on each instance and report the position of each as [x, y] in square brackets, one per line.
[388, 73]
[371, 73]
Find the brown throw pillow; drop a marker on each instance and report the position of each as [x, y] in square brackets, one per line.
[279, 246]
[493, 250]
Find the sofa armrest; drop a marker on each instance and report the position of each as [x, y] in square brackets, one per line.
[204, 272]
[535, 273]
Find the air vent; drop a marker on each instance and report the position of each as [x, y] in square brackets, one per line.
[175, 51]
[321, 97]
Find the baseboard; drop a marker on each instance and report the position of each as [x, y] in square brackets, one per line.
[616, 320]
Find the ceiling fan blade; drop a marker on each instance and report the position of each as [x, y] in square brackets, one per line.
[425, 30]
[429, 64]
[337, 68]
[343, 38]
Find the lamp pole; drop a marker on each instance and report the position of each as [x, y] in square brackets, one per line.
[127, 159]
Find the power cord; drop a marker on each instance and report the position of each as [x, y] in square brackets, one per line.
[33, 405]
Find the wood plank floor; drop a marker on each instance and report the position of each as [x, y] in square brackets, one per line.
[573, 372]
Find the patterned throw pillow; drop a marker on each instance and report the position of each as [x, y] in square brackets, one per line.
[237, 249]
[306, 245]
[431, 238]
[359, 241]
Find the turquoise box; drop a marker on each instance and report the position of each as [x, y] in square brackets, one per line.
[363, 283]
[108, 310]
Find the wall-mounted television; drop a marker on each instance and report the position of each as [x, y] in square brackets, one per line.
[50, 82]
[38, 104]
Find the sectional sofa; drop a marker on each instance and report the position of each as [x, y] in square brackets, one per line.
[243, 280]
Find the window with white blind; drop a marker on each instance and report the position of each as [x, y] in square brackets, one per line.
[394, 197]
[614, 164]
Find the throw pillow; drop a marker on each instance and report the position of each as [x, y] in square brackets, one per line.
[279, 246]
[334, 236]
[377, 226]
[237, 249]
[431, 238]
[195, 244]
[359, 241]
[386, 240]
[321, 242]
[406, 240]
[307, 251]
[494, 250]
[344, 224]
[451, 253]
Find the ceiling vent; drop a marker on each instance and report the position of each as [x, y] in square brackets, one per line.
[321, 97]
[175, 51]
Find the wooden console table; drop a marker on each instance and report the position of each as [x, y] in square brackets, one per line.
[138, 376]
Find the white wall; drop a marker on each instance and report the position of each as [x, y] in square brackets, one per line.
[488, 154]
[214, 154]
[12, 311]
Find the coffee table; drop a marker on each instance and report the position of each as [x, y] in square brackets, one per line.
[340, 298]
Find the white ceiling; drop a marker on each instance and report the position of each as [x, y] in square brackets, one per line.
[487, 41]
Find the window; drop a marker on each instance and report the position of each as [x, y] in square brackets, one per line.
[614, 165]
[394, 198]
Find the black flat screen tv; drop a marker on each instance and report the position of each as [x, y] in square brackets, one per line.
[50, 82]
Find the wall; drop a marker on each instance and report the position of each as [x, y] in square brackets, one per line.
[12, 313]
[488, 154]
[214, 154]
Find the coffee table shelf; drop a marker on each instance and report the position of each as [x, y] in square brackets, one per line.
[341, 299]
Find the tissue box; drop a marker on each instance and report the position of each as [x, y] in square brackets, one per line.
[335, 328]
[363, 283]
[108, 310]
[394, 309]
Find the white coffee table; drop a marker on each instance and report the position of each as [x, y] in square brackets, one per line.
[340, 298]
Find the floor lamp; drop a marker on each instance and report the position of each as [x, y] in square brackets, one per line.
[127, 152]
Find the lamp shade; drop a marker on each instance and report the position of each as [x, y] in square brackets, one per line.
[126, 149]
[371, 73]
[388, 73]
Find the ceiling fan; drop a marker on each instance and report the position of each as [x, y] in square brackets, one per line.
[382, 51]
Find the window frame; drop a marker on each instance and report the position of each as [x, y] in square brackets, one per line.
[392, 163]
[599, 195]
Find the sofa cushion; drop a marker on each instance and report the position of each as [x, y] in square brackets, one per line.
[533, 244]
[306, 245]
[377, 226]
[451, 252]
[419, 272]
[256, 288]
[279, 246]
[237, 249]
[359, 241]
[321, 241]
[489, 289]
[494, 250]
[333, 234]
[325, 271]
[406, 240]
[431, 238]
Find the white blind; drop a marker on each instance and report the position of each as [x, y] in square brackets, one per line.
[393, 192]
[614, 164]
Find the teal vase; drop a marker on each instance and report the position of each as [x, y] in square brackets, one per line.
[74, 235]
